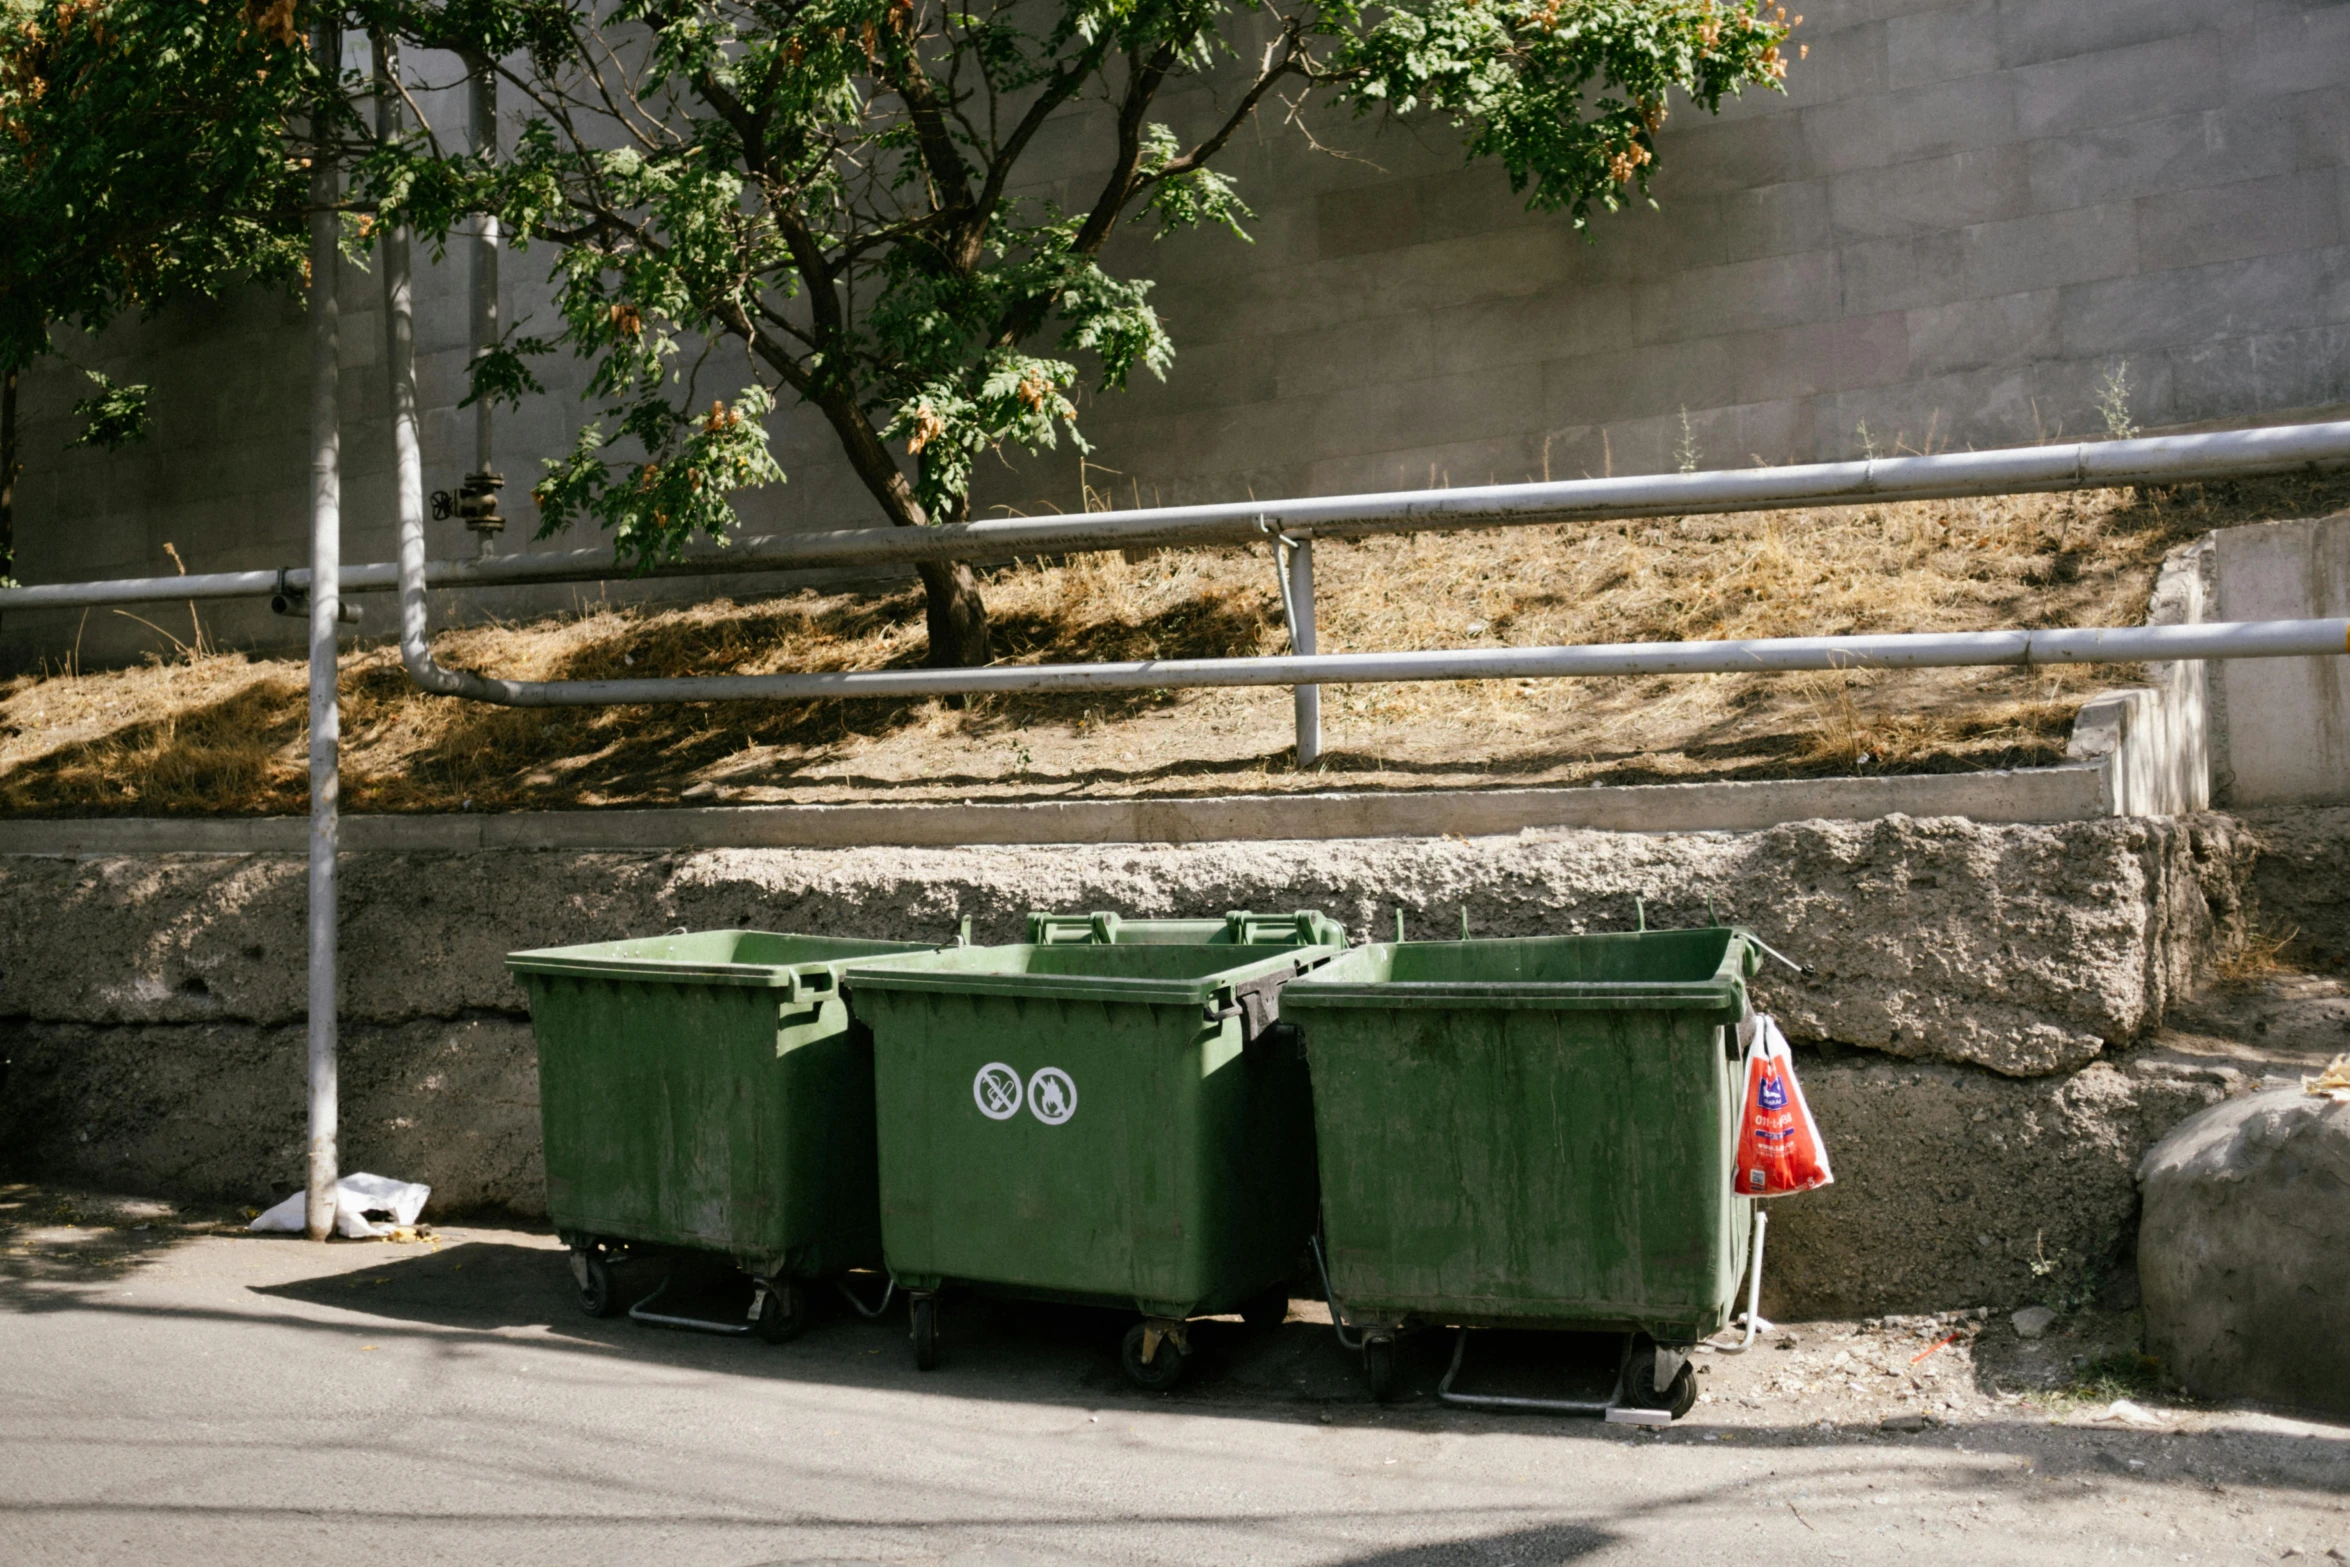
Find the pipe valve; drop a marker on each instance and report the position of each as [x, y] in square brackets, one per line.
[293, 600]
[475, 503]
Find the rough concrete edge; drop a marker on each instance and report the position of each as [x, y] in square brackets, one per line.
[2156, 740]
[2030, 795]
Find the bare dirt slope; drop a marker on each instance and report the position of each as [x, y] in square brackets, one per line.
[210, 732]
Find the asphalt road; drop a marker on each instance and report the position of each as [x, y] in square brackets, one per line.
[184, 1394]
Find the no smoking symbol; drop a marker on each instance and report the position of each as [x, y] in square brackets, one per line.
[996, 1090]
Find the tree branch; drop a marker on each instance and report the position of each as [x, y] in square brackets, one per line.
[1291, 45]
[1143, 80]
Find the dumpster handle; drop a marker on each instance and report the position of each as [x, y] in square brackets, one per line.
[850, 1296]
[1548, 1406]
[1337, 1313]
[1762, 1219]
[1800, 968]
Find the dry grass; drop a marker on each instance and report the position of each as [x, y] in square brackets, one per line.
[2260, 955]
[204, 732]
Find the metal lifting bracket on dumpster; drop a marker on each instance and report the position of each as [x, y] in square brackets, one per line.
[1258, 1004]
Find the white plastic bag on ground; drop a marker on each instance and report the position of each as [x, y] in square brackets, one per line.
[356, 1196]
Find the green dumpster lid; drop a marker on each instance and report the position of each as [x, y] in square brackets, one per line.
[1674, 969]
[1151, 974]
[760, 959]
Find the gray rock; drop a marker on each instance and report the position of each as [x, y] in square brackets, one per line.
[2244, 1251]
[2032, 1321]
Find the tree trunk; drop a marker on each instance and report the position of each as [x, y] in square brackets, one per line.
[8, 475]
[957, 614]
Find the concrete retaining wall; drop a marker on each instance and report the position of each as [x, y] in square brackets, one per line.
[1952, 1184]
[1962, 218]
[2301, 881]
[1994, 977]
[2022, 949]
[2121, 753]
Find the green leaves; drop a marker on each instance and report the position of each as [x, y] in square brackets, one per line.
[656, 505]
[1567, 94]
[950, 422]
[113, 416]
[1187, 198]
[149, 159]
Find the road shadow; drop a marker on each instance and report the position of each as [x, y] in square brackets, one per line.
[1546, 1544]
[61, 1238]
[1005, 1350]
[467, 1296]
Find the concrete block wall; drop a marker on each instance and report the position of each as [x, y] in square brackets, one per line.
[1961, 218]
[2281, 730]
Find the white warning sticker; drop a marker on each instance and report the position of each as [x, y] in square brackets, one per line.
[996, 1090]
[1052, 1096]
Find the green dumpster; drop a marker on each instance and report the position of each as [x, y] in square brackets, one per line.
[1240, 928]
[1110, 1124]
[708, 1092]
[1532, 1133]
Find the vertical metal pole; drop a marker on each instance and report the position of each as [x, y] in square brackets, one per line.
[326, 560]
[400, 343]
[1301, 639]
[483, 114]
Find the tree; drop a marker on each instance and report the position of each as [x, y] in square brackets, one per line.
[144, 158]
[817, 198]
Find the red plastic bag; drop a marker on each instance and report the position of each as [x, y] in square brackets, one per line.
[1779, 1147]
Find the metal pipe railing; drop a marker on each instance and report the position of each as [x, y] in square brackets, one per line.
[1929, 650]
[2169, 459]
[1295, 558]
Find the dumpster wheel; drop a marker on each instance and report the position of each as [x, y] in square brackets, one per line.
[784, 1309]
[1679, 1394]
[1379, 1367]
[592, 1272]
[922, 1309]
[1266, 1309]
[1153, 1353]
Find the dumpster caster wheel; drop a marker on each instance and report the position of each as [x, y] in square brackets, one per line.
[1681, 1397]
[1679, 1394]
[593, 1273]
[1379, 1367]
[1165, 1353]
[924, 1312]
[1267, 1309]
[783, 1310]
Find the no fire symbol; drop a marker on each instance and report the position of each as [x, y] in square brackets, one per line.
[1052, 1097]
